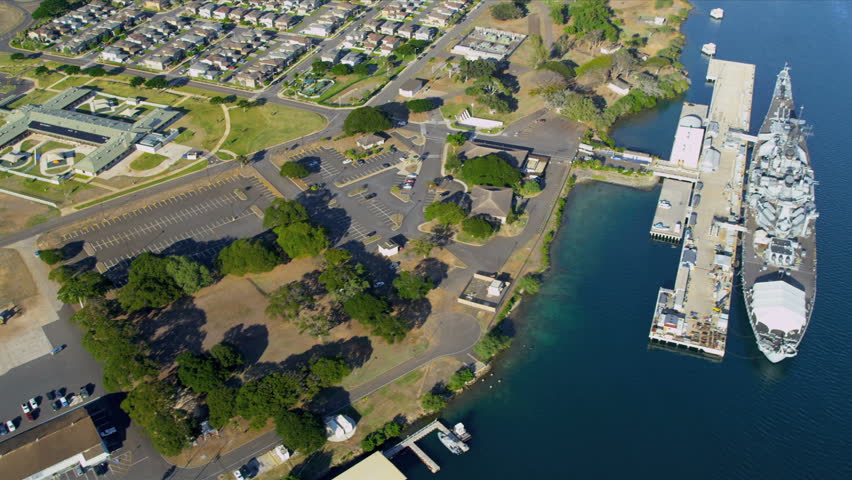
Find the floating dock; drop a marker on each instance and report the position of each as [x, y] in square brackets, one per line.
[411, 442]
[693, 315]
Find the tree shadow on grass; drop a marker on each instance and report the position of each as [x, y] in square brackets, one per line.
[251, 341]
[433, 269]
[415, 312]
[172, 329]
[356, 351]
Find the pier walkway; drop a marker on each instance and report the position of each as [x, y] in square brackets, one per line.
[411, 442]
[694, 314]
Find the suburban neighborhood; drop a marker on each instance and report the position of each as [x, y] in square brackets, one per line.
[273, 238]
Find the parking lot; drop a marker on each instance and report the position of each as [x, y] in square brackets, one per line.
[378, 208]
[196, 223]
[326, 165]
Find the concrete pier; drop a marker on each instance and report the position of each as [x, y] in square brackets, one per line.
[694, 314]
[410, 442]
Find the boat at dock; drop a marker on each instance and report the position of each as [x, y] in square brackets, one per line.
[717, 14]
[779, 246]
[452, 443]
[709, 49]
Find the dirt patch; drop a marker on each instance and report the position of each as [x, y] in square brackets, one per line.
[16, 283]
[630, 10]
[17, 214]
[231, 436]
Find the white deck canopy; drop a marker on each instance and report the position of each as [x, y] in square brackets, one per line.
[779, 306]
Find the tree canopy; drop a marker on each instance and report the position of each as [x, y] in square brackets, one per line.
[457, 139]
[227, 356]
[51, 8]
[284, 212]
[151, 406]
[82, 287]
[151, 285]
[491, 344]
[294, 170]
[412, 287]
[432, 403]
[477, 227]
[476, 69]
[507, 11]
[489, 170]
[260, 399]
[344, 281]
[588, 15]
[300, 430]
[221, 405]
[247, 255]
[372, 312]
[420, 105]
[447, 213]
[366, 120]
[288, 300]
[301, 239]
[341, 69]
[530, 188]
[460, 379]
[201, 373]
[330, 371]
[157, 83]
[189, 276]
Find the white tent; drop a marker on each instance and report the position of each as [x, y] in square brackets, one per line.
[779, 306]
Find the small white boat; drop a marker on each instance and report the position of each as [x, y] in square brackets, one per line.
[717, 13]
[709, 49]
[452, 443]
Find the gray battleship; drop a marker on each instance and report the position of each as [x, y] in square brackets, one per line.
[779, 247]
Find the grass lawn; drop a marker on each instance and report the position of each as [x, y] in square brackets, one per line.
[280, 125]
[46, 80]
[147, 161]
[47, 191]
[36, 96]
[224, 156]
[69, 82]
[10, 17]
[125, 90]
[52, 145]
[204, 124]
[451, 110]
[27, 145]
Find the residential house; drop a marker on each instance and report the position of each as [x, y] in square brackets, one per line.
[332, 55]
[494, 202]
[373, 25]
[389, 28]
[206, 10]
[353, 58]
[285, 22]
[373, 41]
[237, 14]
[253, 16]
[158, 5]
[221, 13]
[619, 86]
[113, 54]
[407, 30]
[388, 45]
[319, 29]
[410, 87]
[268, 19]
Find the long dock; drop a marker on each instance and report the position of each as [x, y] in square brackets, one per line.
[693, 315]
[411, 442]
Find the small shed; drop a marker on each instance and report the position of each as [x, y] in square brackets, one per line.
[410, 87]
[370, 141]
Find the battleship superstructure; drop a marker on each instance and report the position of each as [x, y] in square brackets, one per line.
[779, 248]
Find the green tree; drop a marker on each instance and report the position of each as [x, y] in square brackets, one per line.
[82, 287]
[507, 11]
[96, 72]
[530, 284]
[151, 406]
[577, 107]
[388, 327]
[447, 213]
[137, 81]
[260, 399]
[589, 15]
[149, 284]
[189, 275]
[227, 356]
[530, 188]
[17, 56]
[477, 227]
[344, 281]
[361, 69]
[476, 69]
[420, 105]
[432, 403]
[489, 170]
[422, 246]
[315, 325]
[412, 287]
[51, 256]
[302, 239]
[373, 440]
[300, 430]
[491, 344]
[61, 274]
[392, 429]
[341, 69]
[496, 103]
[320, 68]
[366, 120]
[221, 405]
[247, 255]
[201, 373]
[540, 52]
[294, 170]
[288, 300]
[41, 70]
[460, 379]
[559, 13]
[337, 256]
[158, 83]
[364, 307]
[50, 9]
[284, 212]
[452, 164]
[330, 371]
[457, 139]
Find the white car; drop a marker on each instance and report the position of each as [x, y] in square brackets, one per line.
[379, 284]
[26, 407]
[238, 475]
[347, 161]
[10, 425]
[33, 403]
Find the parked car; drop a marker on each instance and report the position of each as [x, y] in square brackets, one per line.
[361, 162]
[346, 161]
[30, 416]
[3, 429]
[51, 395]
[369, 196]
[386, 165]
[84, 392]
[63, 401]
[26, 407]
[109, 431]
[10, 424]
[33, 403]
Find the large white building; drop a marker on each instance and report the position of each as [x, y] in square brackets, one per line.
[687, 143]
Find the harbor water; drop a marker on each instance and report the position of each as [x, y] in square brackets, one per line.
[581, 394]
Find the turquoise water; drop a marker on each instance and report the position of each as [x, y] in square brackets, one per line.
[581, 395]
